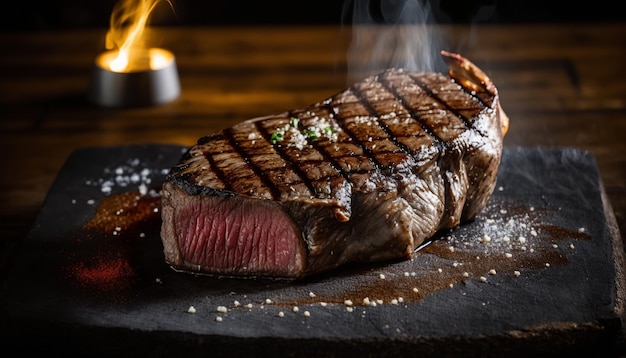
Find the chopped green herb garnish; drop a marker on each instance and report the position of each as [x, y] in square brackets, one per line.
[277, 137]
[329, 130]
[294, 122]
[309, 133]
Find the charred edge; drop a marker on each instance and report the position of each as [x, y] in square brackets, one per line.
[430, 92]
[183, 164]
[184, 180]
[192, 189]
[322, 150]
[365, 101]
[260, 173]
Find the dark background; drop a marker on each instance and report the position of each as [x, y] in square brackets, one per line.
[40, 15]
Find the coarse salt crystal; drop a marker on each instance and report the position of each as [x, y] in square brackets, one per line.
[191, 309]
[222, 309]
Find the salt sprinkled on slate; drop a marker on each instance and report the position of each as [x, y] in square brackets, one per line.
[132, 172]
[499, 234]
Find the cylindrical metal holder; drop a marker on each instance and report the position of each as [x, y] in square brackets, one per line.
[154, 84]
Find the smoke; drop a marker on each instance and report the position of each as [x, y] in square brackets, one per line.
[391, 33]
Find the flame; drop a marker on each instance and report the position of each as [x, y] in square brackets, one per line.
[126, 37]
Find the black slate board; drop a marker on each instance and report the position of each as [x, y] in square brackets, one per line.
[85, 286]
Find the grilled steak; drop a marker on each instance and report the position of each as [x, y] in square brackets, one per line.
[366, 175]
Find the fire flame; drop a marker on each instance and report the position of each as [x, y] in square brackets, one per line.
[125, 38]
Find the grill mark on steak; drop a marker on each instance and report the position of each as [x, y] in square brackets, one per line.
[210, 158]
[374, 113]
[436, 97]
[443, 125]
[412, 113]
[261, 174]
[326, 154]
[354, 138]
[288, 161]
[329, 149]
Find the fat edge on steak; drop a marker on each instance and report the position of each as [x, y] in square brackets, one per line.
[366, 175]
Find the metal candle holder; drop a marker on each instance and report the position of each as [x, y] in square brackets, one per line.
[152, 85]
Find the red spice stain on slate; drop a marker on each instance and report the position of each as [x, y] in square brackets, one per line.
[101, 259]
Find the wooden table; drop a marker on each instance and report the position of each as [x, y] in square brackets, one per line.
[561, 85]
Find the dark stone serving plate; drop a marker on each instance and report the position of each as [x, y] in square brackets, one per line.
[540, 271]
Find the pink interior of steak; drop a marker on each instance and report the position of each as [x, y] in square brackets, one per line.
[234, 235]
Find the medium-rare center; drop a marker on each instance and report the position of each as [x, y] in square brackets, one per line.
[366, 175]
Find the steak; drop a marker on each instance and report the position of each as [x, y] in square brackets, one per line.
[366, 175]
